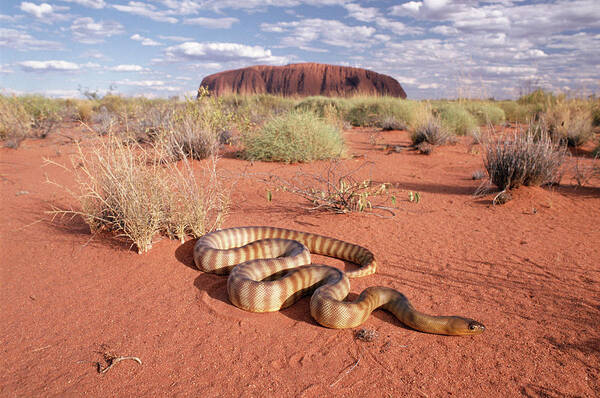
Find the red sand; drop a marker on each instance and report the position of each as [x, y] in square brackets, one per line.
[528, 270]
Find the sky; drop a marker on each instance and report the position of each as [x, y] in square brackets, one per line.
[434, 48]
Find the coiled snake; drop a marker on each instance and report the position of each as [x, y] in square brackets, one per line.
[270, 269]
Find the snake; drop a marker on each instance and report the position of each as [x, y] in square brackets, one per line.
[270, 268]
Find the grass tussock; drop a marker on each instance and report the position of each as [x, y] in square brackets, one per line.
[15, 123]
[381, 111]
[294, 137]
[28, 116]
[530, 158]
[569, 121]
[432, 131]
[130, 190]
[486, 112]
[455, 117]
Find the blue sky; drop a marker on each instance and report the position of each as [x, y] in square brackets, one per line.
[434, 48]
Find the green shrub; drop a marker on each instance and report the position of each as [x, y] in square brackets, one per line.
[486, 112]
[256, 109]
[373, 111]
[519, 113]
[455, 118]
[294, 137]
[319, 105]
[528, 158]
[538, 96]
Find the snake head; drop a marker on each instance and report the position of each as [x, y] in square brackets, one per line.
[470, 326]
[459, 326]
[476, 327]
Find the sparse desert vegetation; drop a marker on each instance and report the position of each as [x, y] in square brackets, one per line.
[142, 170]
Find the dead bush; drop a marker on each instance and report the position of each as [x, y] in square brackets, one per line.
[132, 191]
[526, 158]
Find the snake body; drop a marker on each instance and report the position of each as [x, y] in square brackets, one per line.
[270, 269]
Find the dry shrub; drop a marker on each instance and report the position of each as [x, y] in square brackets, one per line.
[85, 110]
[529, 158]
[15, 123]
[196, 206]
[430, 129]
[569, 120]
[335, 189]
[132, 191]
[195, 129]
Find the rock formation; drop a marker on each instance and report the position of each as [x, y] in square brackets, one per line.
[303, 80]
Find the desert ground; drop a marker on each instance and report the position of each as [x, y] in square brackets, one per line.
[527, 269]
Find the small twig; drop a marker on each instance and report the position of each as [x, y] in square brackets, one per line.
[113, 361]
[41, 348]
[29, 225]
[350, 369]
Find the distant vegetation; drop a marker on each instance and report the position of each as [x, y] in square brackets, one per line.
[570, 120]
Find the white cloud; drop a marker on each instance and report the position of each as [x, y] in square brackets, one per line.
[531, 54]
[334, 33]
[58, 93]
[444, 30]
[510, 70]
[142, 83]
[214, 23]
[144, 40]
[146, 10]
[364, 14]
[127, 68]
[157, 85]
[9, 18]
[97, 4]
[22, 41]
[426, 86]
[262, 5]
[45, 12]
[93, 54]
[6, 69]
[396, 27]
[175, 38]
[86, 30]
[221, 52]
[36, 10]
[48, 66]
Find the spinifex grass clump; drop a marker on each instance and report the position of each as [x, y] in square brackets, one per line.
[529, 158]
[294, 137]
[486, 112]
[373, 111]
[456, 118]
[132, 191]
[320, 105]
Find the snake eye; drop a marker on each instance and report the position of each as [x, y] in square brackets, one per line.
[471, 327]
